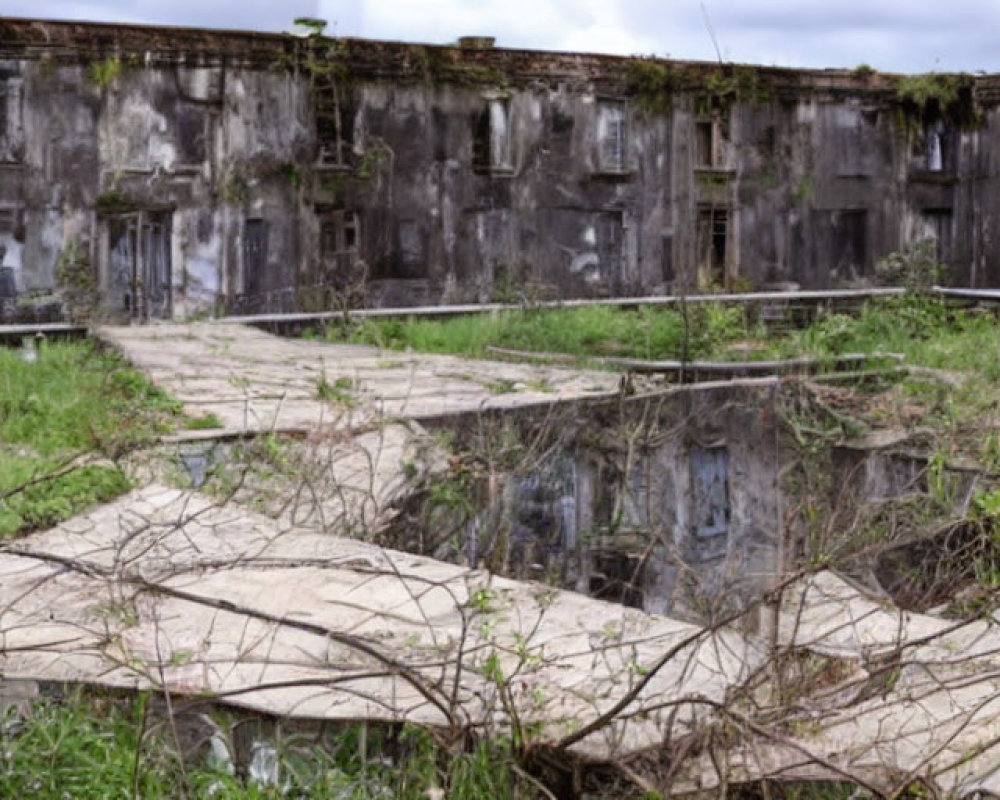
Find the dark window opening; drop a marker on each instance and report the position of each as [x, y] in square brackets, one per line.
[710, 134]
[4, 113]
[12, 224]
[713, 243]
[8, 282]
[933, 149]
[769, 141]
[334, 123]
[255, 240]
[855, 135]
[11, 122]
[411, 250]
[850, 244]
[938, 226]
[710, 491]
[561, 123]
[338, 246]
[192, 139]
[617, 577]
[667, 259]
[704, 144]
[491, 137]
[439, 134]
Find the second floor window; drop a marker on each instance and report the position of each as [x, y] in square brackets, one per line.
[611, 136]
[933, 149]
[500, 134]
[710, 135]
[492, 143]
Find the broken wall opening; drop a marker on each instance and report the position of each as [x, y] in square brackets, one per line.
[653, 505]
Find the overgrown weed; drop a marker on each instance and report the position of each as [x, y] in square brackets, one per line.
[91, 746]
[65, 421]
[650, 333]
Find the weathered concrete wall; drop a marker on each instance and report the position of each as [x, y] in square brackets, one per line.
[183, 172]
[667, 503]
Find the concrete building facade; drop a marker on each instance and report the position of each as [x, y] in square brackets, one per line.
[157, 172]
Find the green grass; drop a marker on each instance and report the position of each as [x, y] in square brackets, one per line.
[339, 393]
[650, 333]
[87, 747]
[74, 406]
[205, 422]
[926, 330]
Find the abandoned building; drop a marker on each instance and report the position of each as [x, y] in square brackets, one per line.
[159, 172]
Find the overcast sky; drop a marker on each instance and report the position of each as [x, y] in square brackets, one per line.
[903, 35]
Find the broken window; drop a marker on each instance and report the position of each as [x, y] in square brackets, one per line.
[617, 576]
[192, 135]
[492, 142]
[709, 491]
[937, 223]
[255, 240]
[338, 247]
[850, 244]
[703, 144]
[611, 135]
[412, 250]
[933, 149]
[709, 142]
[854, 134]
[10, 259]
[11, 124]
[334, 123]
[667, 259]
[139, 271]
[712, 244]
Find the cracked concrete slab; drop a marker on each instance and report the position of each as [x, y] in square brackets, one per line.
[167, 589]
[254, 381]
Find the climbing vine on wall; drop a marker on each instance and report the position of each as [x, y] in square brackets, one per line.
[441, 65]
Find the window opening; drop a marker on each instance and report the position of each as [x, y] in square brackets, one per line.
[343, 274]
[611, 136]
[710, 491]
[499, 134]
[713, 243]
[937, 226]
[850, 243]
[492, 140]
[255, 241]
[704, 143]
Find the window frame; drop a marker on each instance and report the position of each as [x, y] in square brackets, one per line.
[612, 111]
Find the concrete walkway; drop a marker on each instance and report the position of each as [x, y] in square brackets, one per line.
[253, 381]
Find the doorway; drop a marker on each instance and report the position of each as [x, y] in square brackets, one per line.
[139, 270]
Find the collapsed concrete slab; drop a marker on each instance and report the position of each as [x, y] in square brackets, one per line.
[171, 591]
[165, 589]
[888, 699]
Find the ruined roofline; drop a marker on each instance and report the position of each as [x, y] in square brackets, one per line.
[372, 58]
